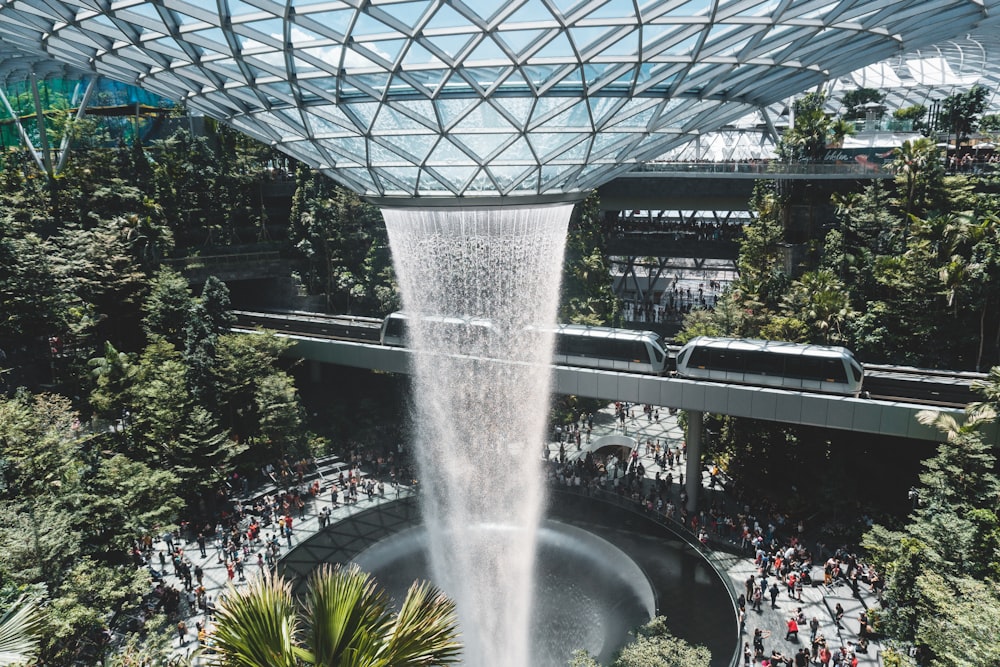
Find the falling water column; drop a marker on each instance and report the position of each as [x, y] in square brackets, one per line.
[480, 287]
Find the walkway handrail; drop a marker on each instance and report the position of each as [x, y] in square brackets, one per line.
[198, 261]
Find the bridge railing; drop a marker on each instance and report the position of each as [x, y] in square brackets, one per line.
[233, 259]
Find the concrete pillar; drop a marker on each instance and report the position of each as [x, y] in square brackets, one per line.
[693, 471]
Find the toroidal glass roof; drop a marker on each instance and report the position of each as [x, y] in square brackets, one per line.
[416, 98]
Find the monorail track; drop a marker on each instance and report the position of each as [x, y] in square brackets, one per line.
[922, 386]
[903, 384]
[335, 327]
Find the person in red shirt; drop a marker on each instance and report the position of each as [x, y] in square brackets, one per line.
[793, 629]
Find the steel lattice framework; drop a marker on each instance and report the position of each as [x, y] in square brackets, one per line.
[416, 98]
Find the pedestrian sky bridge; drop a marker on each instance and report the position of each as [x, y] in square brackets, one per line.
[723, 186]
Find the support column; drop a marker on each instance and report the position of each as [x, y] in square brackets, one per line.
[25, 139]
[43, 133]
[693, 467]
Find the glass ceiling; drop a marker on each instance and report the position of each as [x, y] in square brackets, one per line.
[416, 98]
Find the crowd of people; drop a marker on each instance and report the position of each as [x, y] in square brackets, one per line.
[784, 562]
[974, 162]
[784, 567]
[244, 530]
[662, 224]
[673, 303]
[249, 532]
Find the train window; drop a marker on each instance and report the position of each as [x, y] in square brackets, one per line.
[682, 357]
[657, 353]
[564, 344]
[764, 363]
[812, 368]
[726, 360]
[856, 371]
[603, 348]
[579, 346]
[794, 367]
[736, 361]
[699, 357]
[607, 348]
[395, 327]
[833, 371]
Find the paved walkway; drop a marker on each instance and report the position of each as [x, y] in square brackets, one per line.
[216, 577]
[817, 601]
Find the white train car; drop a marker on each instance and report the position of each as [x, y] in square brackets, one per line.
[575, 345]
[818, 368]
[464, 333]
[609, 349]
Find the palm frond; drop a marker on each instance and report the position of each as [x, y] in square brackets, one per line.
[425, 631]
[942, 421]
[20, 632]
[346, 612]
[257, 626]
[980, 413]
[989, 387]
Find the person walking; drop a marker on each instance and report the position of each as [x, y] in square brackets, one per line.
[758, 644]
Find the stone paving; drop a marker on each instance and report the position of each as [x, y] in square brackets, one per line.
[817, 601]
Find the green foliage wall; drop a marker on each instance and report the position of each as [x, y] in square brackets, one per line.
[151, 402]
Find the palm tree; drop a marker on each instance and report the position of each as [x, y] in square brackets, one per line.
[976, 414]
[344, 621]
[911, 162]
[20, 632]
[989, 388]
[839, 129]
[820, 300]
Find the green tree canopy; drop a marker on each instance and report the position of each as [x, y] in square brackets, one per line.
[960, 111]
[167, 307]
[587, 297]
[807, 138]
[653, 646]
[856, 101]
[948, 549]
